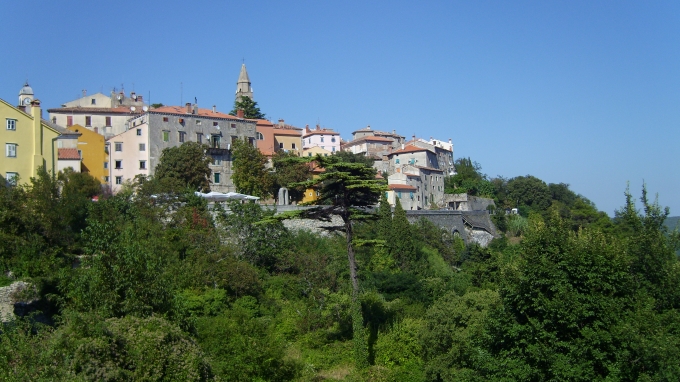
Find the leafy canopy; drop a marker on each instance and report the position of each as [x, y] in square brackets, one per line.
[185, 166]
[249, 107]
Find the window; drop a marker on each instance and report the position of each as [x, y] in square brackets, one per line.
[321, 139]
[182, 134]
[142, 147]
[88, 121]
[119, 180]
[11, 150]
[233, 139]
[165, 119]
[251, 141]
[332, 139]
[106, 179]
[259, 136]
[218, 160]
[199, 137]
[108, 121]
[69, 120]
[216, 177]
[215, 124]
[93, 101]
[309, 154]
[292, 145]
[166, 136]
[80, 154]
[215, 141]
[233, 125]
[333, 148]
[11, 178]
[119, 164]
[281, 145]
[119, 146]
[198, 121]
[11, 124]
[139, 132]
[106, 164]
[142, 165]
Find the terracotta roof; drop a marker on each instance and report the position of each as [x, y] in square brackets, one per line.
[429, 168]
[290, 132]
[264, 123]
[182, 110]
[401, 187]
[68, 154]
[408, 149]
[95, 110]
[321, 132]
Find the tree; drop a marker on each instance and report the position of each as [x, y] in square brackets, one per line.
[529, 191]
[185, 166]
[250, 175]
[290, 169]
[344, 190]
[401, 243]
[469, 179]
[249, 107]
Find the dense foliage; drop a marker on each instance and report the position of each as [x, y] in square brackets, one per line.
[249, 108]
[133, 287]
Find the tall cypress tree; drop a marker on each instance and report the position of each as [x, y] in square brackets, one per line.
[401, 243]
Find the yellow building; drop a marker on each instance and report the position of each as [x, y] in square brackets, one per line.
[92, 147]
[312, 193]
[314, 151]
[28, 141]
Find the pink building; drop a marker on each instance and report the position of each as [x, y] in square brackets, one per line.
[128, 155]
[327, 139]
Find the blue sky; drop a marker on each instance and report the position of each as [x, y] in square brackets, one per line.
[580, 92]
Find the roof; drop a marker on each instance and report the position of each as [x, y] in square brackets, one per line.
[429, 168]
[289, 132]
[366, 139]
[26, 90]
[68, 154]
[243, 76]
[182, 110]
[401, 187]
[408, 149]
[94, 110]
[61, 130]
[321, 132]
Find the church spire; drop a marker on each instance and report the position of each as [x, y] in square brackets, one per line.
[243, 85]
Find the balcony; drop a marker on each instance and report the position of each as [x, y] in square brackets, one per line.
[216, 151]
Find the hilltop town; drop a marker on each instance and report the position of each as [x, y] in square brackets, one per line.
[118, 136]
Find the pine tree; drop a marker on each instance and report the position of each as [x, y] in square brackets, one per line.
[249, 107]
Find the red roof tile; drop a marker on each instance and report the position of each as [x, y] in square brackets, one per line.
[408, 149]
[401, 187]
[68, 154]
[95, 110]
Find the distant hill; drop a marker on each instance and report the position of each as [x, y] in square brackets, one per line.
[672, 222]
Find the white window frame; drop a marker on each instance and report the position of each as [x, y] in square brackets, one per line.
[119, 180]
[118, 164]
[11, 177]
[118, 146]
[142, 147]
[11, 148]
[139, 132]
[11, 124]
[142, 165]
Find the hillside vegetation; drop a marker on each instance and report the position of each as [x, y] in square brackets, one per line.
[136, 287]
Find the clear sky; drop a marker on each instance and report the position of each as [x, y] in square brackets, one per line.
[581, 92]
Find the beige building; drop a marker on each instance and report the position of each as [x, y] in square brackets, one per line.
[105, 115]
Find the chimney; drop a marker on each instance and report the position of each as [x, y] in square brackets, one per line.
[368, 127]
[133, 95]
[307, 131]
[195, 109]
[22, 108]
[281, 124]
[394, 132]
[414, 137]
[318, 127]
[188, 106]
[140, 99]
[239, 113]
[214, 110]
[450, 141]
[84, 92]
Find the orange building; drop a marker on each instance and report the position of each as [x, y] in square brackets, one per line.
[92, 147]
[274, 137]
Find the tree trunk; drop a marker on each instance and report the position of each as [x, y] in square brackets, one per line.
[350, 257]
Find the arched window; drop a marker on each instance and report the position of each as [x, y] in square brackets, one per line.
[259, 136]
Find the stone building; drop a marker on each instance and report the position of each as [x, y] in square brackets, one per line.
[243, 88]
[138, 150]
[417, 187]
